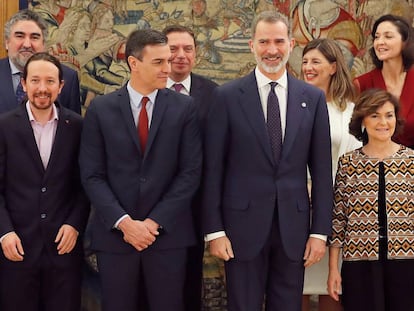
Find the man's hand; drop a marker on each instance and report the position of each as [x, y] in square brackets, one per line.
[221, 248]
[66, 237]
[314, 251]
[137, 233]
[12, 247]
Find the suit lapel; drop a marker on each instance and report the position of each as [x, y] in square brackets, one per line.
[250, 102]
[8, 100]
[296, 108]
[27, 137]
[125, 106]
[160, 106]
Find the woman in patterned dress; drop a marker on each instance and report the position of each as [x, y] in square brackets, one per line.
[373, 216]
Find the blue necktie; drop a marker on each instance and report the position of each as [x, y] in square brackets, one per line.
[274, 126]
[20, 93]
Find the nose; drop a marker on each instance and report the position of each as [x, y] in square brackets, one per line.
[272, 49]
[27, 42]
[180, 52]
[167, 67]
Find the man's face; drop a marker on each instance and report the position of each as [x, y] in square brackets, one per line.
[26, 38]
[271, 47]
[152, 71]
[183, 54]
[42, 84]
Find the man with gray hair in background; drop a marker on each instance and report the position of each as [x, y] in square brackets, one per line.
[25, 33]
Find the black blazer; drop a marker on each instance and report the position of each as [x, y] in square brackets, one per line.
[69, 97]
[35, 202]
[119, 179]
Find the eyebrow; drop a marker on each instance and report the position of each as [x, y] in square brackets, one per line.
[23, 33]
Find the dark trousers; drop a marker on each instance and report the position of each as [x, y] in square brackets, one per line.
[194, 277]
[269, 278]
[148, 280]
[43, 288]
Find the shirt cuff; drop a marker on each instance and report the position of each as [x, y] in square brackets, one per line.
[119, 220]
[214, 235]
[4, 235]
[319, 236]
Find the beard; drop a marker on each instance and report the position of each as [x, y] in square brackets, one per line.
[41, 104]
[271, 69]
[20, 60]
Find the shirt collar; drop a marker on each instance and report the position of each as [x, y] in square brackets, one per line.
[55, 115]
[262, 80]
[136, 97]
[186, 83]
[14, 69]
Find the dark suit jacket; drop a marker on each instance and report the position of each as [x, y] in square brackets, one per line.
[243, 192]
[69, 97]
[202, 92]
[120, 180]
[35, 202]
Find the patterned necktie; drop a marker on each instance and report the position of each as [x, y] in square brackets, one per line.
[274, 126]
[178, 87]
[20, 93]
[143, 124]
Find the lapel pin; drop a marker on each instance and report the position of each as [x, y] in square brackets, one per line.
[303, 105]
[67, 121]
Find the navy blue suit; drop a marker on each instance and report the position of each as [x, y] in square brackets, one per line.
[35, 202]
[69, 96]
[158, 184]
[260, 207]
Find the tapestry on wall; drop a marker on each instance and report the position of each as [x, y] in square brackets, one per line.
[90, 36]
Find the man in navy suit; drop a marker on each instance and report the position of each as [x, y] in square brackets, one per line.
[140, 164]
[263, 131]
[183, 55]
[25, 33]
[43, 208]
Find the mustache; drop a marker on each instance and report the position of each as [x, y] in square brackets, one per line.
[27, 50]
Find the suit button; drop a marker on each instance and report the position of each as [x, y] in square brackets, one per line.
[142, 179]
[43, 189]
[43, 216]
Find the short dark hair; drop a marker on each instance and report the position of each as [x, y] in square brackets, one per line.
[368, 103]
[406, 32]
[179, 28]
[139, 39]
[45, 57]
[26, 15]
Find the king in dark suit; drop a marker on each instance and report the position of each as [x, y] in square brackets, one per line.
[43, 208]
[140, 165]
[25, 33]
[263, 131]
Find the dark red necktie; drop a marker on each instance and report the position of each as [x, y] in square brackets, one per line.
[143, 124]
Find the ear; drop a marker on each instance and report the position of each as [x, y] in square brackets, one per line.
[251, 45]
[23, 82]
[62, 83]
[132, 61]
[333, 69]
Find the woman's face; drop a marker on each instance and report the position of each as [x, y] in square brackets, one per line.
[317, 70]
[380, 125]
[388, 42]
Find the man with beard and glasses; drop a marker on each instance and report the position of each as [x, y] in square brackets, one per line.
[25, 33]
[263, 131]
[43, 208]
